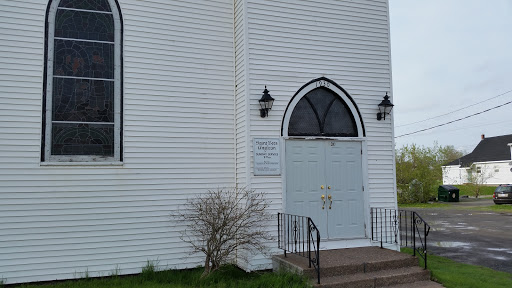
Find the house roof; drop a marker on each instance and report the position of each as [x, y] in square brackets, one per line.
[489, 149]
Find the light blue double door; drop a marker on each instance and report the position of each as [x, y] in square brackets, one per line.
[332, 169]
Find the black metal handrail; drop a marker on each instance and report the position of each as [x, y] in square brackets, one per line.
[384, 226]
[406, 227]
[299, 235]
[417, 222]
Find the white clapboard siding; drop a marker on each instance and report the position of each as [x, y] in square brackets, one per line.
[193, 74]
[292, 42]
[59, 221]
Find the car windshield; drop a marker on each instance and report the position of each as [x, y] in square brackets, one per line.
[504, 189]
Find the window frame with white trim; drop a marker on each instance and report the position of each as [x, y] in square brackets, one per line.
[103, 144]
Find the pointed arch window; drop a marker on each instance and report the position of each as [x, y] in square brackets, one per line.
[322, 113]
[82, 115]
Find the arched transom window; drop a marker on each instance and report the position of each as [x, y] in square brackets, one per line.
[322, 113]
[83, 81]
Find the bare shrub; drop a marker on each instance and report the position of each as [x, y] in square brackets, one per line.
[478, 177]
[223, 222]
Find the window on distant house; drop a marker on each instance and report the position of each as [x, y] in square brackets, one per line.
[82, 115]
[478, 169]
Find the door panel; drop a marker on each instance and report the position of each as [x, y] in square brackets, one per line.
[344, 176]
[305, 172]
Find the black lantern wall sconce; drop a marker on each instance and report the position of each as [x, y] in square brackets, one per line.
[266, 103]
[384, 108]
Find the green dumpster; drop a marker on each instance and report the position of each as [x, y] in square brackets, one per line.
[448, 193]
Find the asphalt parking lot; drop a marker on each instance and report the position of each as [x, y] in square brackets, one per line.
[464, 234]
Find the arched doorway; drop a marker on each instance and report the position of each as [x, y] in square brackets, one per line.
[323, 135]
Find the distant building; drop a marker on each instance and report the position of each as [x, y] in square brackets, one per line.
[490, 161]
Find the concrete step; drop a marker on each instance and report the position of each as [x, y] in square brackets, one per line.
[420, 284]
[346, 261]
[365, 267]
[358, 267]
[381, 278]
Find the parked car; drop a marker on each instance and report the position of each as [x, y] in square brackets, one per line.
[503, 194]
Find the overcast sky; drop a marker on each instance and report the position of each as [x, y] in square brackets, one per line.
[446, 55]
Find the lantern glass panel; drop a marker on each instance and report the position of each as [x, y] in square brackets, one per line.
[269, 104]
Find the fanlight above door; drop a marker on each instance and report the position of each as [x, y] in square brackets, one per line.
[322, 113]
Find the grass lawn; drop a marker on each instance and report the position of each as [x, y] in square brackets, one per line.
[425, 205]
[228, 276]
[454, 275]
[507, 208]
[465, 190]
[496, 208]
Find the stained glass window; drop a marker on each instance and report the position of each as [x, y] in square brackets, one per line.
[82, 139]
[94, 5]
[86, 25]
[83, 59]
[322, 113]
[83, 100]
[83, 91]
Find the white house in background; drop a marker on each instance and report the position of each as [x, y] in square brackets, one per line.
[114, 112]
[491, 160]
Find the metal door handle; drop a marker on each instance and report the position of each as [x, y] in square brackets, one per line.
[329, 187]
[322, 187]
[323, 198]
[330, 199]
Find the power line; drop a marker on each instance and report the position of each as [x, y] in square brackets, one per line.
[456, 120]
[453, 110]
[473, 126]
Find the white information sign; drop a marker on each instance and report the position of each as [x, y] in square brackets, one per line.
[267, 158]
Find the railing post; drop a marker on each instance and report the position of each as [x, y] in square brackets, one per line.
[303, 242]
[386, 223]
[294, 233]
[309, 243]
[395, 227]
[381, 229]
[406, 229]
[371, 217]
[288, 233]
[318, 254]
[425, 239]
[413, 224]
[279, 230]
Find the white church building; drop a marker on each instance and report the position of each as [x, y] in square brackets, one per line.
[114, 112]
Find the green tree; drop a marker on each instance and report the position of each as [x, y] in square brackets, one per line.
[418, 171]
[448, 153]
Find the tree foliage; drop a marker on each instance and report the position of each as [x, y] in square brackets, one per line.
[221, 223]
[419, 172]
